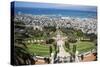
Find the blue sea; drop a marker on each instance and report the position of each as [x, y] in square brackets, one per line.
[57, 12]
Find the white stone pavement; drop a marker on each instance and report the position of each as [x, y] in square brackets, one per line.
[60, 43]
[62, 52]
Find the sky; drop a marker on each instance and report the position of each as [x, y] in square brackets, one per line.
[56, 6]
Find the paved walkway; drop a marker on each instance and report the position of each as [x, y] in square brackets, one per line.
[40, 62]
[62, 52]
[89, 57]
[60, 43]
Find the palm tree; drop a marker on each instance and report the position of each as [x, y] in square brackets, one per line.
[21, 53]
[22, 57]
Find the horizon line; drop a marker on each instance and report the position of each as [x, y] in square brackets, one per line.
[53, 5]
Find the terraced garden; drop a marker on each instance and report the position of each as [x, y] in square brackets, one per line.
[84, 46]
[39, 50]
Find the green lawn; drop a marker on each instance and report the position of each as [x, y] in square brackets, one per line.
[39, 50]
[84, 46]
